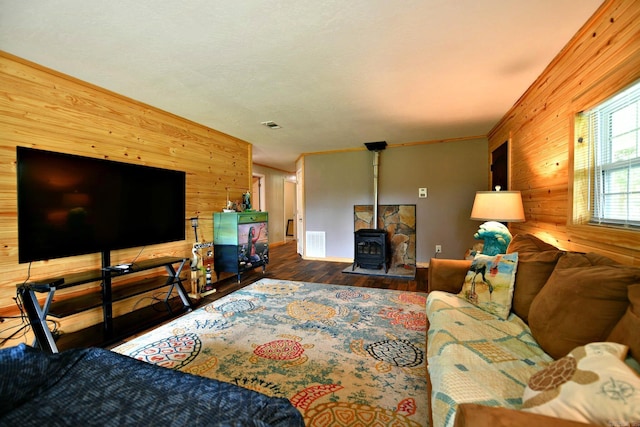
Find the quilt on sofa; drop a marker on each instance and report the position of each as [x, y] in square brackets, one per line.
[476, 357]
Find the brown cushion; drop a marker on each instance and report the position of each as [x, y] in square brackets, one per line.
[584, 298]
[534, 269]
[528, 243]
[475, 415]
[536, 261]
[447, 274]
[627, 330]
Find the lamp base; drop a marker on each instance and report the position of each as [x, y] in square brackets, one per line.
[496, 237]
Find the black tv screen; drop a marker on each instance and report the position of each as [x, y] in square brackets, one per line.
[73, 205]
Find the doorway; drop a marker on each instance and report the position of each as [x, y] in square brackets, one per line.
[289, 209]
[257, 193]
[500, 167]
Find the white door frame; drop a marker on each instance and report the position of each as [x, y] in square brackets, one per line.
[261, 192]
[289, 211]
[300, 211]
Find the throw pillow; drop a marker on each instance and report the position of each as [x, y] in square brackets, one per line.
[534, 270]
[536, 261]
[528, 243]
[591, 384]
[627, 330]
[579, 259]
[489, 283]
[582, 301]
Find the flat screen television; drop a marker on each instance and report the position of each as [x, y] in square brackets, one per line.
[72, 205]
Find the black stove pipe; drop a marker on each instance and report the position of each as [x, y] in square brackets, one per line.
[376, 147]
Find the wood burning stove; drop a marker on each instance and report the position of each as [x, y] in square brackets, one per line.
[371, 245]
[371, 249]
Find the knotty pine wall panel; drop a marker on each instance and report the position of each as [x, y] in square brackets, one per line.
[44, 109]
[602, 58]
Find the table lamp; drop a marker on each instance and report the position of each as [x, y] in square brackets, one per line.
[496, 207]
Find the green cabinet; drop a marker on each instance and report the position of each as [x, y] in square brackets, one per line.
[241, 242]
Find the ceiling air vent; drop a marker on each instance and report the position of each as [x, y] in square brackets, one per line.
[271, 125]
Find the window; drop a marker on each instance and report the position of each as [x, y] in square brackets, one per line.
[607, 162]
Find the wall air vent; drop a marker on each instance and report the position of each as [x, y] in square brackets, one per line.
[316, 244]
[271, 125]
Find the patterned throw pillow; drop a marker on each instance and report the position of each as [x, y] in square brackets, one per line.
[489, 283]
[592, 384]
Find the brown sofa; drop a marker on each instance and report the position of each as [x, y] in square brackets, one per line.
[548, 296]
[471, 414]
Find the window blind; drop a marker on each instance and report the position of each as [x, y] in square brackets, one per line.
[612, 159]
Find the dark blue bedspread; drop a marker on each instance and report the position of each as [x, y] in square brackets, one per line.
[96, 387]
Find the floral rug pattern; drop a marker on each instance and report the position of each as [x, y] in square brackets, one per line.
[344, 356]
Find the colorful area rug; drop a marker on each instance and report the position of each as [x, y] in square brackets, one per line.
[344, 356]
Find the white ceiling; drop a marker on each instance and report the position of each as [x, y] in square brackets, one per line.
[333, 73]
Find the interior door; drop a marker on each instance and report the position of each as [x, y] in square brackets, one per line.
[499, 167]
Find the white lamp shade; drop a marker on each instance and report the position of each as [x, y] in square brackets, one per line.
[501, 206]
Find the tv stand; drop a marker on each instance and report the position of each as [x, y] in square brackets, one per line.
[109, 294]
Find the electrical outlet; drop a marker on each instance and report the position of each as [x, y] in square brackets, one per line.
[422, 193]
[438, 249]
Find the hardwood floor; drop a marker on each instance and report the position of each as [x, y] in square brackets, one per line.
[286, 264]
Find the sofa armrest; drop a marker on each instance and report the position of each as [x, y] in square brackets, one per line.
[447, 274]
[471, 414]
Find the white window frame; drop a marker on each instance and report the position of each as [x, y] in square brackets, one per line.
[582, 227]
[616, 175]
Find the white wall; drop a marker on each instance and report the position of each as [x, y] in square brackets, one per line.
[451, 171]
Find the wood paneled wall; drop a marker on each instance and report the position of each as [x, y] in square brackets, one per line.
[602, 58]
[44, 109]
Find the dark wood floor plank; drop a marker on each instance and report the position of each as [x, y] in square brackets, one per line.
[286, 264]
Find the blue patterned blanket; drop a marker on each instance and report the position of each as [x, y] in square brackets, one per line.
[96, 387]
